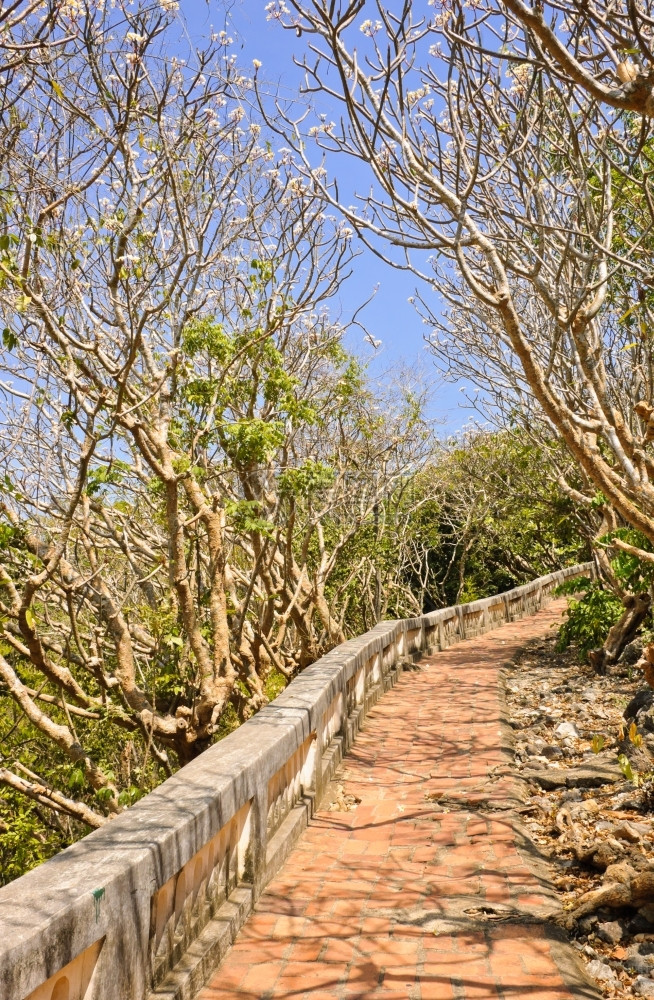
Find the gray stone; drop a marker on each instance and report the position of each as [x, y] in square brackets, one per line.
[632, 652]
[535, 762]
[643, 986]
[638, 924]
[567, 730]
[572, 795]
[589, 775]
[629, 801]
[588, 923]
[552, 753]
[641, 701]
[638, 963]
[611, 931]
[601, 971]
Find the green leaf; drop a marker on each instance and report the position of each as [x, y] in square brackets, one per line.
[76, 779]
[9, 339]
[626, 767]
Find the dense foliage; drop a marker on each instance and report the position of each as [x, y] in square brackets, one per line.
[589, 618]
[453, 529]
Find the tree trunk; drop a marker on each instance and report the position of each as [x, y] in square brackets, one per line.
[636, 608]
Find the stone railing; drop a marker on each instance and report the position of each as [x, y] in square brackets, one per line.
[146, 906]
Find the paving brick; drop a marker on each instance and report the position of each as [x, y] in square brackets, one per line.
[354, 910]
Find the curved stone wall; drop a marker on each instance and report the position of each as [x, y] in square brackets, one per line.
[148, 904]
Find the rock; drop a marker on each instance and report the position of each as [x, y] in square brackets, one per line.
[590, 806]
[621, 873]
[610, 931]
[625, 831]
[589, 923]
[645, 719]
[632, 652]
[638, 924]
[646, 913]
[572, 795]
[629, 801]
[643, 699]
[567, 729]
[639, 964]
[604, 856]
[549, 779]
[643, 986]
[588, 775]
[552, 753]
[535, 762]
[603, 972]
[590, 694]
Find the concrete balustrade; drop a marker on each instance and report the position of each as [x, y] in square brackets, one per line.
[146, 906]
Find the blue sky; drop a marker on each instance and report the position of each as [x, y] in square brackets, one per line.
[390, 318]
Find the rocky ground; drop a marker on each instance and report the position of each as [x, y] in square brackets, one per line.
[588, 771]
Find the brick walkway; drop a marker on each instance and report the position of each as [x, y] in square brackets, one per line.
[420, 892]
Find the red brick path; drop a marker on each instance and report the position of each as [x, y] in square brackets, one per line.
[372, 903]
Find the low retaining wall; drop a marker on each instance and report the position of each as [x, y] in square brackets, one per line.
[146, 906]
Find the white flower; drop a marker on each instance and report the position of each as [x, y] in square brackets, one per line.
[276, 9]
[413, 96]
[256, 63]
[370, 28]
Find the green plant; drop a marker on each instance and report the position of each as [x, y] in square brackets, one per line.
[588, 620]
[633, 573]
[573, 585]
[627, 770]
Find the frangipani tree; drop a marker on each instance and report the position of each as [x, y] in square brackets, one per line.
[506, 145]
[191, 465]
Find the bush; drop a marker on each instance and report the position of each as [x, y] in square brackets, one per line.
[589, 619]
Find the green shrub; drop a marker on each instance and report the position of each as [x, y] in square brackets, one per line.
[589, 619]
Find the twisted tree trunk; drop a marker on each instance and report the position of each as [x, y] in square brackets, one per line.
[636, 608]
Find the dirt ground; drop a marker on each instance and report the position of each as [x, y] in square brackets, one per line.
[588, 783]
